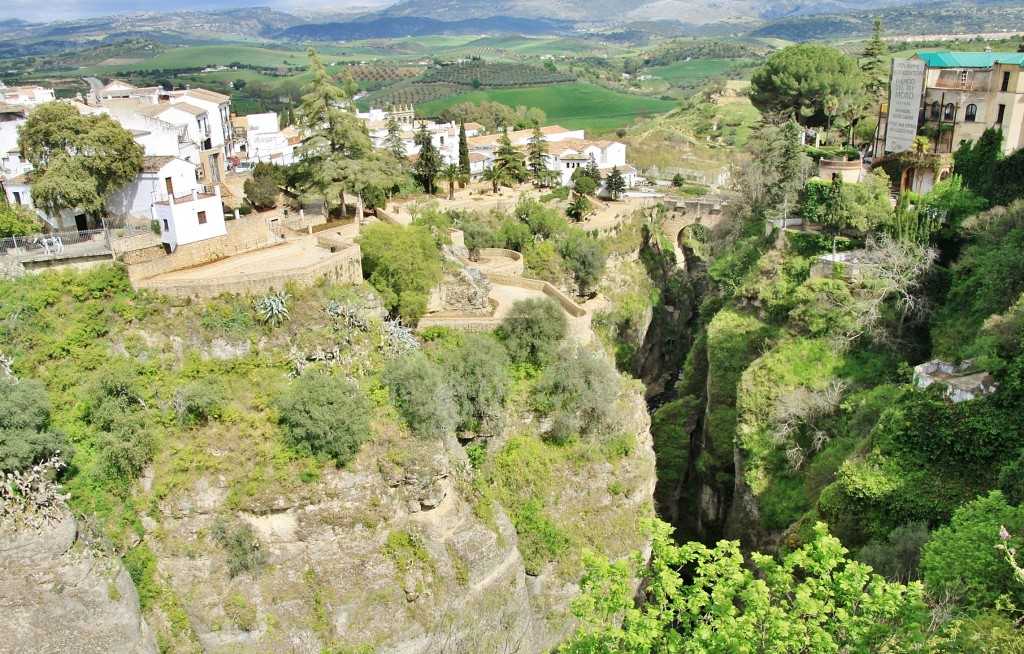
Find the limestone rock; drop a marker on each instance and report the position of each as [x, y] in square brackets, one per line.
[58, 594]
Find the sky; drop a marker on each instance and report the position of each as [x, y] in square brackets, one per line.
[55, 10]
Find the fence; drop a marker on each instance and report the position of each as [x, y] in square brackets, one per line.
[65, 244]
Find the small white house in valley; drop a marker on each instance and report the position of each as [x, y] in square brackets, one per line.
[185, 210]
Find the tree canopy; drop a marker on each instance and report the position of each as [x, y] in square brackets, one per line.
[403, 265]
[709, 601]
[801, 79]
[78, 160]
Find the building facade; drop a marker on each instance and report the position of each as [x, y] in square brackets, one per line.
[962, 95]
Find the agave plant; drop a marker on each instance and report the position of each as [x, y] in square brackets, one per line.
[272, 308]
[398, 339]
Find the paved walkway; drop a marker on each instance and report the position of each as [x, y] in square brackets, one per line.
[296, 252]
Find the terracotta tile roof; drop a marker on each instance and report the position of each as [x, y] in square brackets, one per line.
[152, 110]
[117, 83]
[577, 145]
[20, 179]
[490, 139]
[156, 164]
[6, 108]
[209, 96]
[476, 156]
[190, 108]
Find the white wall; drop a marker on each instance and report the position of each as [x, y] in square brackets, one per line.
[179, 222]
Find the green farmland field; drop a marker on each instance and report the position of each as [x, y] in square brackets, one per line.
[574, 106]
[206, 55]
[695, 69]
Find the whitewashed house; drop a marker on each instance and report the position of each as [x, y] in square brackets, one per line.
[217, 142]
[263, 139]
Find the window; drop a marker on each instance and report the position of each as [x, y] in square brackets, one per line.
[1006, 81]
[202, 217]
[935, 111]
[971, 113]
[1001, 114]
[167, 227]
[17, 197]
[950, 112]
[963, 78]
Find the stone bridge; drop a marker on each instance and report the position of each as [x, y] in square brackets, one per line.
[674, 226]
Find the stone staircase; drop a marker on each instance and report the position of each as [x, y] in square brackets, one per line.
[232, 192]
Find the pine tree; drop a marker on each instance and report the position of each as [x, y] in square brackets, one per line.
[463, 150]
[615, 184]
[393, 141]
[875, 55]
[787, 169]
[429, 164]
[508, 159]
[335, 140]
[538, 148]
[911, 223]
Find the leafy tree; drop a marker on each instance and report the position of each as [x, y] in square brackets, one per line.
[429, 164]
[113, 407]
[584, 257]
[477, 371]
[403, 265]
[78, 160]
[532, 330]
[585, 185]
[874, 59]
[393, 141]
[463, 151]
[911, 224]
[451, 173]
[708, 601]
[799, 79]
[536, 150]
[515, 235]
[961, 556]
[578, 207]
[836, 215]
[422, 395]
[17, 220]
[26, 437]
[325, 416]
[261, 191]
[615, 184]
[678, 180]
[239, 84]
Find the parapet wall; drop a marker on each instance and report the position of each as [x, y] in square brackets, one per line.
[243, 235]
[342, 267]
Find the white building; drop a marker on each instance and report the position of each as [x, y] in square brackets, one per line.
[185, 210]
[28, 96]
[568, 154]
[217, 143]
[263, 140]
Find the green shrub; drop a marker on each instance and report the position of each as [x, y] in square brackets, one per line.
[580, 392]
[532, 330]
[241, 546]
[962, 557]
[406, 550]
[421, 394]
[141, 565]
[325, 416]
[402, 263]
[26, 437]
[477, 372]
[113, 407]
[198, 402]
[584, 257]
[898, 557]
[262, 192]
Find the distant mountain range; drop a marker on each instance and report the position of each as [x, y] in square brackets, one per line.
[794, 20]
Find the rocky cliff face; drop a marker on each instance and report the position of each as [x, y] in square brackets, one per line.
[396, 554]
[59, 594]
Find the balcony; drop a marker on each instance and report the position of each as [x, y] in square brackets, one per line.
[957, 85]
[201, 192]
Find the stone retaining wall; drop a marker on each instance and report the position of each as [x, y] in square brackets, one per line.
[514, 266]
[243, 235]
[342, 267]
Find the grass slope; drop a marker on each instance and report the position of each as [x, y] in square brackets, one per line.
[570, 105]
[694, 69]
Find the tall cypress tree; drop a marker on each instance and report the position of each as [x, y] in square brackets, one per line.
[537, 148]
[463, 149]
[592, 171]
[875, 55]
[429, 165]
